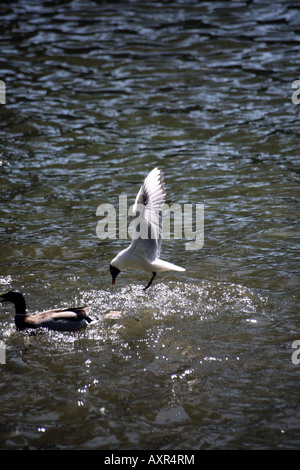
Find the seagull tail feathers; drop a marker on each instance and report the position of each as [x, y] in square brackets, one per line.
[166, 266]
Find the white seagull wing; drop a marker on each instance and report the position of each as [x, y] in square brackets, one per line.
[148, 209]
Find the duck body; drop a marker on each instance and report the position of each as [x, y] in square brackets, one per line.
[59, 319]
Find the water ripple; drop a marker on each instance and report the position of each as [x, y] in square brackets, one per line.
[95, 96]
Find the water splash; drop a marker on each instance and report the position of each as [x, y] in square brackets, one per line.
[206, 300]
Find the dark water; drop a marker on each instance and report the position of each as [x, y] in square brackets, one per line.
[97, 94]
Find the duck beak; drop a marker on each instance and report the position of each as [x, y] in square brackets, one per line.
[113, 281]
[2, 299]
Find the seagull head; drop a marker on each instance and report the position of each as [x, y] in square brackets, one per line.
[114, 272]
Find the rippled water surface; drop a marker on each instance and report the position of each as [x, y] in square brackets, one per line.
[97, 94]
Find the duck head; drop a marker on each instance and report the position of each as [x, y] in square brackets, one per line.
[15, 298]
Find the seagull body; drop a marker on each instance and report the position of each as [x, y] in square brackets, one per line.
[144, 251]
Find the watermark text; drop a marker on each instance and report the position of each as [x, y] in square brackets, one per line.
[295, 94]
[2, 353]
[296, 354]
[178, 221]
[2, 92]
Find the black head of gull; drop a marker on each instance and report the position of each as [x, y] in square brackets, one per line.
[114, 272]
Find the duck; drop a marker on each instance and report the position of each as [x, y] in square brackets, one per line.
[58, 319]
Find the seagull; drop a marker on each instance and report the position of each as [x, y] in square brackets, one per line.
[144, 251]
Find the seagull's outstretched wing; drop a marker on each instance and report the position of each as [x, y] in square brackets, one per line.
[148, 209]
